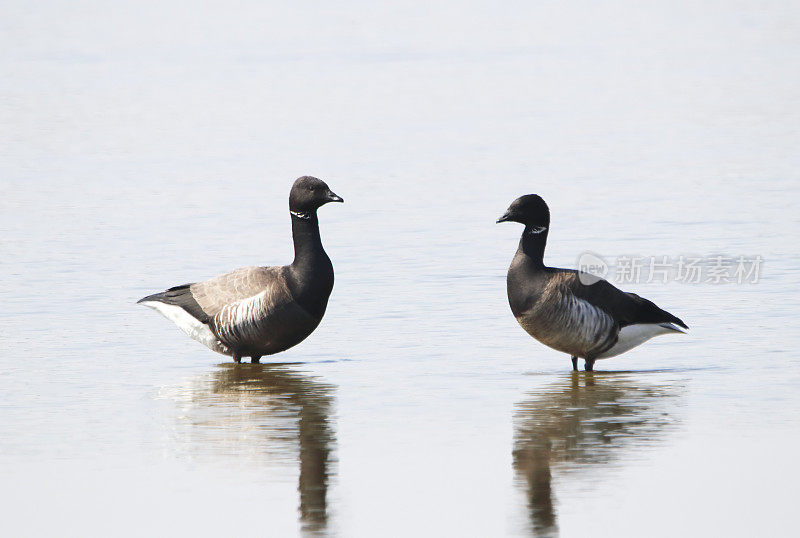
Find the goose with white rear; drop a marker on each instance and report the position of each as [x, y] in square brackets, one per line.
[579, 314]
[256, 311]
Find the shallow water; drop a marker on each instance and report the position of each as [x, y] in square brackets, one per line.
[149, 147]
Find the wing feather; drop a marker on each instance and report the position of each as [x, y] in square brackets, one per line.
[626, 308]
[226, 290]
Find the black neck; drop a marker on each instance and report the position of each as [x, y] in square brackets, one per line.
[311, 272]
[531, 245]
[307, 243]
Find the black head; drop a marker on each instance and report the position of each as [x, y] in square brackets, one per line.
[309, 193]
[529, 210]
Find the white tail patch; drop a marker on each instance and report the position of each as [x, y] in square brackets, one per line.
[673, 327]
[631, 336]
[188, 324]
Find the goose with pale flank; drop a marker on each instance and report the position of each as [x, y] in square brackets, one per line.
[256, 311]
[577, 313]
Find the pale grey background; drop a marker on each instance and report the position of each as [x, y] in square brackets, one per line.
[147, 144]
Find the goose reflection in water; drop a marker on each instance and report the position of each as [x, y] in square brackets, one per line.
[585, 420]
[266, 411]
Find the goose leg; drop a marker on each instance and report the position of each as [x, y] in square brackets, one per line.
[575, 363]
[589, 367]
[255, 359]
[236, 357]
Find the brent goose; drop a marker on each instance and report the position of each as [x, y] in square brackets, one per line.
[257, 311]
[592, 320]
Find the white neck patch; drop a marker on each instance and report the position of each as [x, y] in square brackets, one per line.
[537, 229]
[301, 215]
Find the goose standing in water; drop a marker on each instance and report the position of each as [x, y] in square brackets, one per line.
[588, 321]
[257, 311]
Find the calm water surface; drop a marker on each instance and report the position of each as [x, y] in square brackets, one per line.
[149, 146]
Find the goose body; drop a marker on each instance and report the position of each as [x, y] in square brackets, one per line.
[256, 311]
[579, 314]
